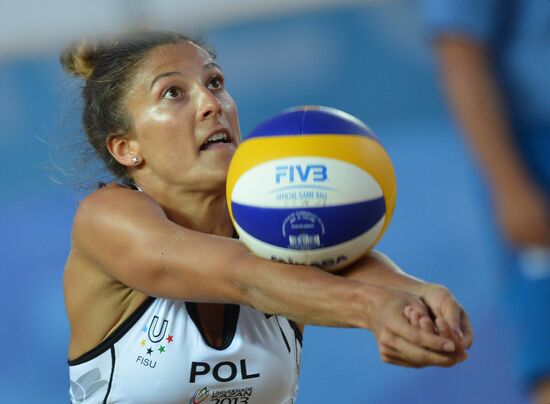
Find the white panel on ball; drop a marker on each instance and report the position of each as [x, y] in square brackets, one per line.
[285, 182]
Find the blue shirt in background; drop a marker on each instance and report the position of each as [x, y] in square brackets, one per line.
[517, 33]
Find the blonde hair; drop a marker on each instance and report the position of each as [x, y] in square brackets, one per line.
[80, 60]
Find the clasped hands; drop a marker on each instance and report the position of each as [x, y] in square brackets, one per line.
[418, 330]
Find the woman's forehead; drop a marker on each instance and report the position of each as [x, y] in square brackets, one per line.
[182, 56]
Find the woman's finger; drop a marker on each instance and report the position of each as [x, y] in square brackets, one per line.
[391, 356]
[427, 325]
[467, 330]
[443, 328]
[415, 318]
[421, 321]
[421, 338]
[451, 313]
[416, 356]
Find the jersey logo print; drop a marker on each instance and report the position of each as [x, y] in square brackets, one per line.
[199, 396]
[87, 385]
[155, 336]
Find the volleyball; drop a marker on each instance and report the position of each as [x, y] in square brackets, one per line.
[312, 185]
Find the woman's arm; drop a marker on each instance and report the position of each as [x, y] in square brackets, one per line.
[130, 238]
[378, 269]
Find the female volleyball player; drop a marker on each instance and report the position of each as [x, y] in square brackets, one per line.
[164, 305]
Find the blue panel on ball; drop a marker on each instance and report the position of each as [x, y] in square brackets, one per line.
[309, 228]
[308, 121]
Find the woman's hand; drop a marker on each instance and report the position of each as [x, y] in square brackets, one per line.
[402, 343]
[401, 332]
[450, 318]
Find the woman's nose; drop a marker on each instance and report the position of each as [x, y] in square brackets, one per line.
[209, 105]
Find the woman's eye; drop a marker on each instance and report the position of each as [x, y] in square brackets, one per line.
[172, 93]
[216, 83]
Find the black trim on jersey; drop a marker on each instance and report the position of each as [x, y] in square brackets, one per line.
[113, 360]
[297, 332]
[126, 183]
[131, 185]
[283, 334]
[115, 336]
[230, 319]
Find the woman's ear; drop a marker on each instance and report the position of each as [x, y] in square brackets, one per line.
[124, 150]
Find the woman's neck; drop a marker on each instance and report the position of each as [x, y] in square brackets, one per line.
[204, 213]
[197, 210]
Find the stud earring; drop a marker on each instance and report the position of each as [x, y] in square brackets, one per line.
[135, 160]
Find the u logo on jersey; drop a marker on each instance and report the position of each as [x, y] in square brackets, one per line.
[156, 335]
[156, 344]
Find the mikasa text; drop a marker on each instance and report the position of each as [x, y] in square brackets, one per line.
[298, 172]
[324, 264]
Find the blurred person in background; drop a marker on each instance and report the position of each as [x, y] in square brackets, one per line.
[494, 59]
[164, 304]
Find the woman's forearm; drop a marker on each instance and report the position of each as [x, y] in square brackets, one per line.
[378, 269]
[208, 268]
[307, 294]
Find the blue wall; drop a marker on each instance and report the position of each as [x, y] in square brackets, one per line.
[369, 61]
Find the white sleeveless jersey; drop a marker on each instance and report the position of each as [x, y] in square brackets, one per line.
[159, 355]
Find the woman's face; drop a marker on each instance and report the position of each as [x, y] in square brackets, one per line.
[184, 122]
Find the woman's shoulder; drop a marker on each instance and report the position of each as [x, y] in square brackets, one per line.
[109, 210]
[113, 199]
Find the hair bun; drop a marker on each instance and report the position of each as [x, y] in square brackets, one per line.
[80, 60]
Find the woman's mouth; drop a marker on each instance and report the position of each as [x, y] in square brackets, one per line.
[214, 140]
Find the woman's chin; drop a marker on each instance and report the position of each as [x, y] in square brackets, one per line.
[216, 150]
[214, 180]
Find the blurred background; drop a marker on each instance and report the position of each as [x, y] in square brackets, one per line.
[369, 58]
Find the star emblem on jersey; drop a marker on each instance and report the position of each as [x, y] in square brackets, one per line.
[156, 334]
